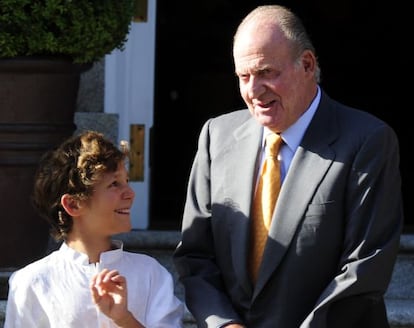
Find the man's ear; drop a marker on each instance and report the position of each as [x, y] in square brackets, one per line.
[70, 204]
[309, 61]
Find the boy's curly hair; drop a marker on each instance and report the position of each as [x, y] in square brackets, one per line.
[72, 168]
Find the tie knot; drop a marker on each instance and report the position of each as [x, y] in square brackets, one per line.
[273, 142]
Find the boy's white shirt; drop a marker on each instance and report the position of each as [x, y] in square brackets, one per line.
[54, 291]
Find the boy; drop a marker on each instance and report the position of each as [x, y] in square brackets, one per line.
[82, 190]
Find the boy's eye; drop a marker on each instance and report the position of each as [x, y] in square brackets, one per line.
[114, 184]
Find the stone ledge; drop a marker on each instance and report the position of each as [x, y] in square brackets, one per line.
[150, 239]
[402, 282]
[407, 243]
[400, 312]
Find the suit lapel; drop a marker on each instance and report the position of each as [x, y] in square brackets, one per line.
[308, 167]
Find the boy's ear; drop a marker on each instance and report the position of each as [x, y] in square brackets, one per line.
[70, 204]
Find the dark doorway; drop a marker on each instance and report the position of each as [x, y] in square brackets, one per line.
[359, 45]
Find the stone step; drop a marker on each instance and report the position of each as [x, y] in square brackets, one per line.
[399, 297]
[161, 244]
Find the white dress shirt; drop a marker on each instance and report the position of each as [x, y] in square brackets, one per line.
[54, 291]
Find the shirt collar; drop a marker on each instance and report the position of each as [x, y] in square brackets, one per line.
[294, 134]
[82, 259]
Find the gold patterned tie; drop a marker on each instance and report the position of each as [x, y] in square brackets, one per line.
[264, 202]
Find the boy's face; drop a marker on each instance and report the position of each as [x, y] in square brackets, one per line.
[107, 212]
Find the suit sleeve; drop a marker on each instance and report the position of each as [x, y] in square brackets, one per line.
[194, 257]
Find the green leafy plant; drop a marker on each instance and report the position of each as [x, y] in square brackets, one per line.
[80, 30]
